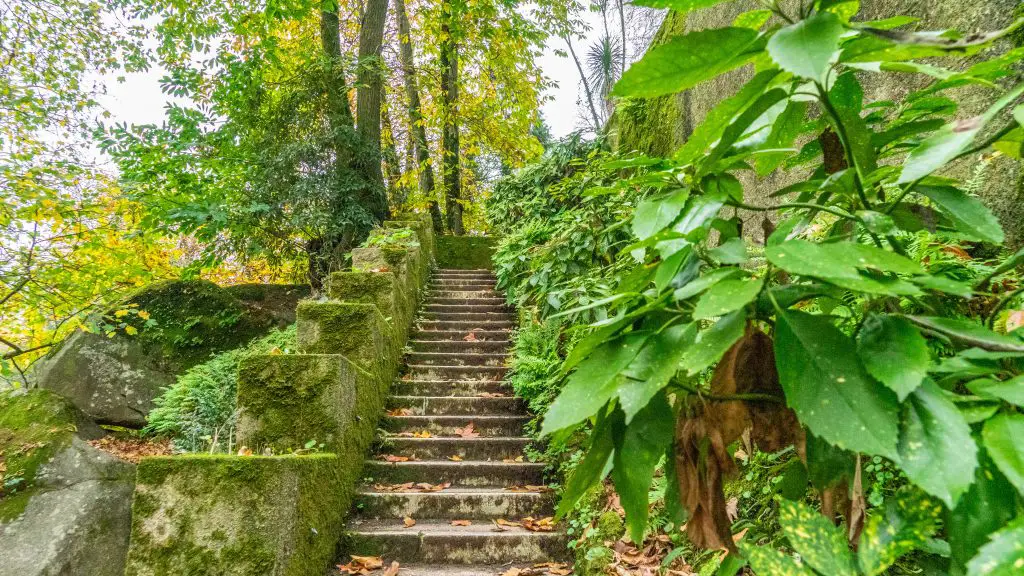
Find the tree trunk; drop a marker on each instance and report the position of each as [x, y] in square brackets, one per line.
[389, 152]
[586, 86]
[417, 129]
[622, 25]
[450, 109]
[369, 94]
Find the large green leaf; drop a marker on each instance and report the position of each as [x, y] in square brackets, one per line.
[704, 282]
[809, 47]
[828, 465]
[969, 333]
[653, 367]
[906, 523]
[679, 5]
[839, 262]
[968, 214]
[594, 382]
[1003, 555]
[656, 213]
[937, 451]
[989, 504]
[727, 296]
[894, 352]
[595, 462]
[950, 141]
[638, 450]
[819, 542]
[1002, 437]
[1011, 390]
[732, 251]
[828, 388]
[688, 60]
[767, 561]
[712, 343]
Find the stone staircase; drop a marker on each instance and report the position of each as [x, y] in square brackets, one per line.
[453, 453]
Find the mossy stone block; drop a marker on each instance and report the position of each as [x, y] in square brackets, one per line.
[395, 259]
[425, 236]
[357, 331]
[465, 252]
[237, 516]
[378, 288]
[287, 401]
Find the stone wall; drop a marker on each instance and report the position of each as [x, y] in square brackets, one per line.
[465, 252]
[659, 126]
[309, 418]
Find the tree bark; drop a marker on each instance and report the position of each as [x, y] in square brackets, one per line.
[449, 61]
[417, 129]
[622, 25]
[369, 95]
[389, 152]
[586, 86]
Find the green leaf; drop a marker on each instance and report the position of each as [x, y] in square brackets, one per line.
[594, 382]
[1002, 438]
[894, 352]
[654, 214]
[1011, 390]
[768, 561]
[653, 367]
[712, 343]
[969, 333]
[682, 6]
[944, 284]
[688, 60]
[906, 523]
[838, 260]
[809, 47]
[1002, 556]
[950, 142]
[594, 465]
[732, 251]
[877, 222]
[989, 504]
[937, 451]
[828, 388]
[727, 296]
[704, 282]
[969, 215]
[638, 450]
[819, 542]
[828, 465]
[793, 485]
[753, 19]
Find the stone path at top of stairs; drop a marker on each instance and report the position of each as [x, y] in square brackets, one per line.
[452, 382]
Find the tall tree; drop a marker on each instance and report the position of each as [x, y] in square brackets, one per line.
[449, 61]
[417, 127]
[586, 86]
[370, 79]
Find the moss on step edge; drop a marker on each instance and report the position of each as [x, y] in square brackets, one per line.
[237, 516]
[358, 331]
[465, 252]
[378, 288]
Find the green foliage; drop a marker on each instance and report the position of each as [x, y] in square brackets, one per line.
[198, 411]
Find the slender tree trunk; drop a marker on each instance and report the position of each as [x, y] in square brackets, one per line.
[450, 135]
[586, 86]
[389, 152]
[369, 94]
[622, 25]
[417, 129]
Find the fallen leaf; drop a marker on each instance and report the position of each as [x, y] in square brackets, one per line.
[461, 523]
[362, 564]
[471, 337]
[731, 509]
[455, 458]
[392, 570]
[400, 412]
[392, 458]
[409, 522]
[515, 460]
[492, 395]
[542, 525]
[468, 432]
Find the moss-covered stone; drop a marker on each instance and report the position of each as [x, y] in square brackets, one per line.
[465, 252]
[378, 288]
[237, 516]
[357, 331]
[401, 261]
[287, 401]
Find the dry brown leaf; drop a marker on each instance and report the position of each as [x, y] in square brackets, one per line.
[527, 488]
[516, 460]
[394, 459]
[400, 412]
[468, 432]
[408, 522]
[455, 458]
[392, 570]
[129, 449]
[462, 523]
[492, 395]
[471, 337]
[542, 525]
[507, 523]
[362, 565]
[512, 572]
[731, 509]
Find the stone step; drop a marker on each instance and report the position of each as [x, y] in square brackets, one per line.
[438, 542]
[486, 426]
[431, 372]
[454, 504]
[465, 326]
[485, 449]
[466, 301]
[460, 294]
[456, 358]
[448, 570]
[466, 308]
[468, 473]
[469, 316]
[468, 285]
[481, 278]
[463, 272]
[456, 405]
[449, 388]
[462, 346]
[456, 334]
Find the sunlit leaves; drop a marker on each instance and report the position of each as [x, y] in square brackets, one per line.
[653, 367]
[727, 296]
[828, 388]
[905, 523]
[1002, 438]
[1003, 555]
[654, 214]
[819, 543]
[809, 47]
[968, 213]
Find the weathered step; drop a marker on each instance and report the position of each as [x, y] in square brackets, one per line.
[449, 388]
[466, 308]
[456, 405]
[474, 473]
[430, 372]
[461, 294]
[457, 334]
[454, 504]
[486, 426]
[438, 542]
[461, 285]
[462, 346]
[456, 358]
[449, 570]
[480, 277]
[494, 449]
[465, 326]
[466, 301]
[468, 316]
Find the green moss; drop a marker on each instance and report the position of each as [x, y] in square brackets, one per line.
[229, 515]
[465, 252]
[357, 331]
[378, 288]
[34, 426]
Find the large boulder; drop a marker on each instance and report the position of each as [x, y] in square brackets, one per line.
[65, 507]
[114, 377]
